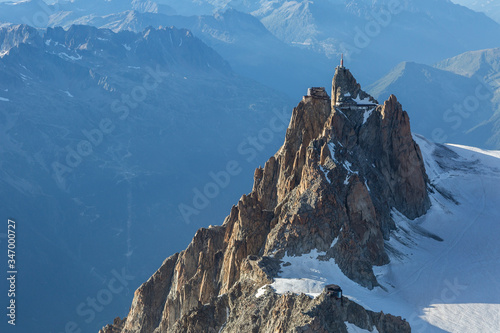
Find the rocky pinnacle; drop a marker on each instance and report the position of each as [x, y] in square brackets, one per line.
[346, 164]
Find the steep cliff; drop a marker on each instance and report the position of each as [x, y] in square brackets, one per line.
[346, 163]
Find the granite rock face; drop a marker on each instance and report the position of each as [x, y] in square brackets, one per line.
[345, 86]
[346, 163]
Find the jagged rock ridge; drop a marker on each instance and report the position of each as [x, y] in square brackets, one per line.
[346, 163]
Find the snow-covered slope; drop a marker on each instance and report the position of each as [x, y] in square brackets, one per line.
[443, 275]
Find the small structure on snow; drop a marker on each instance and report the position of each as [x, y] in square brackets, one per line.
[334, 290]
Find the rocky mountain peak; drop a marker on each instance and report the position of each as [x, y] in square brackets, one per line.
[345, 88]
[14, 35]
[346, 164]
[87, 46]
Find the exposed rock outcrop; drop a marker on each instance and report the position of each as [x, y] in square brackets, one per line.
[344, 166]
[345, 87]
[240, 310]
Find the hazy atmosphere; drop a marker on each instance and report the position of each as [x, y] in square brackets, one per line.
[345, 142]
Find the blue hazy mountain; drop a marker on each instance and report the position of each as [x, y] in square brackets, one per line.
[474, 63]
[456, 101]
[116, 147]
[490, 8]
[414, 30]
[242, 40]
[483, 67]
[293, 39]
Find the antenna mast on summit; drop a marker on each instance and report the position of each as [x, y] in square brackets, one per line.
[342, 61]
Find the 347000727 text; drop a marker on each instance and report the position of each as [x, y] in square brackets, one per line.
[11, 272]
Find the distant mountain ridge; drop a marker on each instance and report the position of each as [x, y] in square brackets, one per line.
[490, 8]
[459, 96]
[301, 33]
[481, 63]
[85, 43]
[484, 67]
[334, 27]
[241, 38]
[93, 124]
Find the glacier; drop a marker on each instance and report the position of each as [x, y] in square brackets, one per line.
[444, 265]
